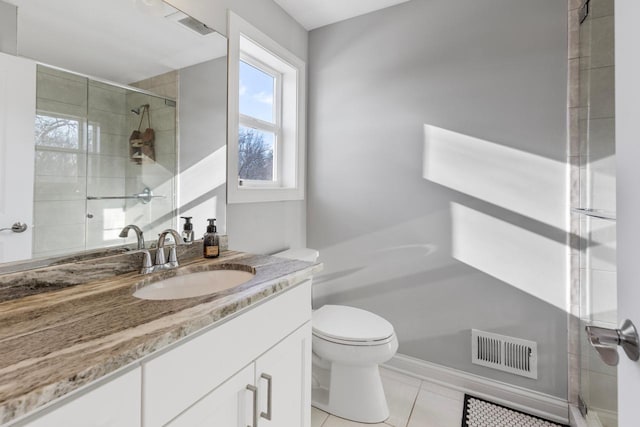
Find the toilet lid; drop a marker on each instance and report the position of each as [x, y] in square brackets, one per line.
[350, 324]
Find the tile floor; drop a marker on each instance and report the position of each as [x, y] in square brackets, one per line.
[412, 403]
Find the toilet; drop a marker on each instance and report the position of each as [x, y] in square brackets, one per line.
[348, 346]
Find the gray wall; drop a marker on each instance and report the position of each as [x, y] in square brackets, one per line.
[8, 28]
[438, 256]
[203, 138]
[259, 227]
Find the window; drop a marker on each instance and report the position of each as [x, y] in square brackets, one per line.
[259, 129]
[266, 133]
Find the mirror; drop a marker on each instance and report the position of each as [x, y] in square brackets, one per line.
[130, 122]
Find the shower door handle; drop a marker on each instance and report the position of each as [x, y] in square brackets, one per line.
[606, 341]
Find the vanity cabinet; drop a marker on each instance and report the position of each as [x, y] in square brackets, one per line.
[274, 338]
[115, 403]
[211, 377]
[277, 384]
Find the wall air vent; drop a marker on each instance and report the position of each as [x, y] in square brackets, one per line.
[513, 355]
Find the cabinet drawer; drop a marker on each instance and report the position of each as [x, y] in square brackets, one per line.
[177, 379]
[114, 404]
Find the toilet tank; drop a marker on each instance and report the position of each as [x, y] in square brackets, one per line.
[301, 254]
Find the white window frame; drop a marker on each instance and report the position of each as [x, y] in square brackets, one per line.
[275, 127]
[252, 46]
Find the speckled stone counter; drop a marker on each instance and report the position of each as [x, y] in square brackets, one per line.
[55, 341]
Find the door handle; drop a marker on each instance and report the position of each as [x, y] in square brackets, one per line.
[254, 391]
[267, 415]
[606, 341]
[17, 227]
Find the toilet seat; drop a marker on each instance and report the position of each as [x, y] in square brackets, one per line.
[351, 326]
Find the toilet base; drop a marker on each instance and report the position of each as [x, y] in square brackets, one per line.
[355, 393]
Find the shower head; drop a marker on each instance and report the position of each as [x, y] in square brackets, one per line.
[136, 111]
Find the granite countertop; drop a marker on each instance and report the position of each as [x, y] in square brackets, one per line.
[55, 340]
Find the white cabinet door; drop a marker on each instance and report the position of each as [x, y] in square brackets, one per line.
[284, 375]
[114, 404]
[229, 405]
[17, 154]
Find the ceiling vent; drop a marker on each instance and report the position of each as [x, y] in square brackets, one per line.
[189, 22]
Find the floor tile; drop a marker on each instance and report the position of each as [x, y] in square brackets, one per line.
[434, 410]
[318, 417]
[340, 422]
[397, 376]
[442, 390]
[401, 392]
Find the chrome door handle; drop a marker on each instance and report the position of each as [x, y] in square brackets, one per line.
[267, 415]
[606, 340]
[254, 390]
[17, 227]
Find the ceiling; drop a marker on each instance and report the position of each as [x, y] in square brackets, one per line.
[127, 41]
[123, 41]
[318, 13]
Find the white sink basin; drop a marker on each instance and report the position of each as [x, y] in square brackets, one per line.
[193, 285]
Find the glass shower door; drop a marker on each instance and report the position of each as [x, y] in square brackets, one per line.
[130, 179]
[598, 299]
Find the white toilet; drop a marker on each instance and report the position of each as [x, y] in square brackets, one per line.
[348, 346]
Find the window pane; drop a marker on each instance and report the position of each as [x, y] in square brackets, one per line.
[255, 154]
[57, 132]
[256, 93]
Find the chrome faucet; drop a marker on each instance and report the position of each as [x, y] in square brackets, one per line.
[160, 263]
[125, 232]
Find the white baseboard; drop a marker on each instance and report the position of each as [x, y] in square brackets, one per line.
[522, 399]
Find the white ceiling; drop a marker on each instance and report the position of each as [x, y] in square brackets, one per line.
[318, 13]
[119, 40]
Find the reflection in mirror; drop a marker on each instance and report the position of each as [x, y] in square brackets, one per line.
[97, 168]
[105, 158]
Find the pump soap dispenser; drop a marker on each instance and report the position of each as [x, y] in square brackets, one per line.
[211, 240]
[187, 230]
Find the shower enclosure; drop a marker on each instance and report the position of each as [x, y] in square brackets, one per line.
[93, 175]
[598, 304]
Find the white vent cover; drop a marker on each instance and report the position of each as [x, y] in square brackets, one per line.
[513, 355]
[189, 22]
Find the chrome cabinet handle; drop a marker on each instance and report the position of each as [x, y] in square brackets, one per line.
[606, 340]
[267, 415]
[17, 227]
[254, 390]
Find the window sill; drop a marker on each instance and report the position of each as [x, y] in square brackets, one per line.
[247, 194]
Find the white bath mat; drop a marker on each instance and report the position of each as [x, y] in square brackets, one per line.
[480, 413]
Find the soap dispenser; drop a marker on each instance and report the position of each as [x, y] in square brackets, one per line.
[211, 240]
[187, 229]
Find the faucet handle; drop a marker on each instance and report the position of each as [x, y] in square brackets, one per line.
[147, 266]
[173, 257]
[160, 258]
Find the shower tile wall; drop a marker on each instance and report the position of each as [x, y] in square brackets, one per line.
[107, 147]
[158, 175]
[60, 164]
